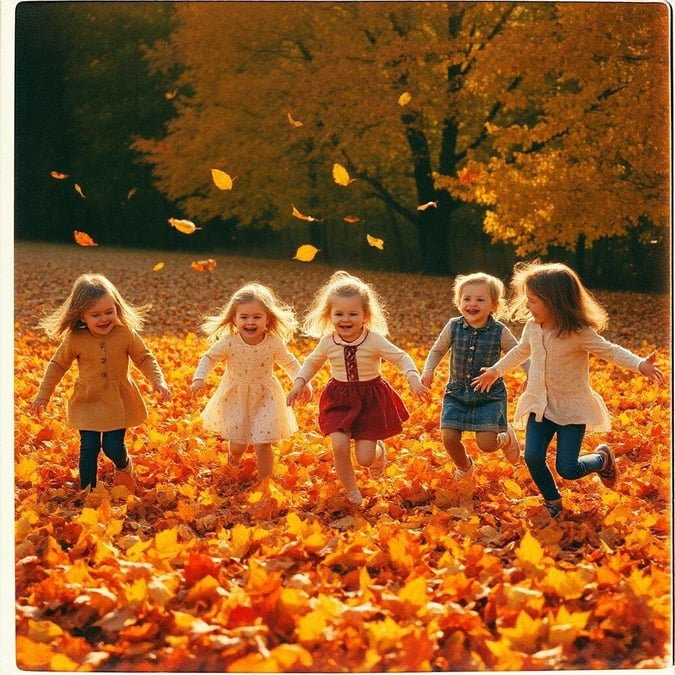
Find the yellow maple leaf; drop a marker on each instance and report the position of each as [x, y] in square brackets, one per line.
[79, 191]
[306, 253]
[375, 242]
[341, 175]
[530, 550]
[222, 180]
[158, 266]
[184, 226]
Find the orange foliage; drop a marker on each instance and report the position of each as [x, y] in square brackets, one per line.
[203, 569]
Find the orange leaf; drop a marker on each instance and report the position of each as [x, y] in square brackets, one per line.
[306, 253]
[428, 205]
[375, 242]
[351, 219]
[158, 266]
[404, 98]
[184, 226]
[83, 239]
[58, 175]
[294, 123]
[204, 265]
[297, 214]
[169, 95]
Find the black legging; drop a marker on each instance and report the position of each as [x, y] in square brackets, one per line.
[91, 443]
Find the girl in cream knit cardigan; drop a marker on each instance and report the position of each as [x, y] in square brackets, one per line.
[558, 399]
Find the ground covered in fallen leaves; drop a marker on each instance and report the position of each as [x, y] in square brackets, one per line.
[203, 569]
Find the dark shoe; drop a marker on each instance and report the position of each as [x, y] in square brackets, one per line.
[608, 474]
[554, 507]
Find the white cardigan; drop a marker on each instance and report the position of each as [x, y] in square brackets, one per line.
[558, 385]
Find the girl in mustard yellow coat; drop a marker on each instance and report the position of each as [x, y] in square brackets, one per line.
[99, 330]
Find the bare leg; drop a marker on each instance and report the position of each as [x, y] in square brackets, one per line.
[452, 440]
[489, 441]
[343, 465]
[265, 457]
[366, 451]
[236, 450]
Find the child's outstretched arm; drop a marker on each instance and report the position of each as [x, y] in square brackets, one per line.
[649, 369]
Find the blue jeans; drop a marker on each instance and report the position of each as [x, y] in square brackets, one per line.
[568, 464]
[91, 443]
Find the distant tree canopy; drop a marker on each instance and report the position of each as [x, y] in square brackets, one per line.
[465, 126]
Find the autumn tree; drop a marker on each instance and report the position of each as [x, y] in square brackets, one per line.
[405, 93]
[580, 151]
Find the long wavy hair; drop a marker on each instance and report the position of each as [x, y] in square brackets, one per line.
[281, 317]
[88, 289]
[572, 306]
[341, 284]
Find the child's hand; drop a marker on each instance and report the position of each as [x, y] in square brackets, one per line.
[417, 386]
[164, 393]
[485, 380]
[294, 394]
[196, 387]
[305, 394]
[38, 405]
[649, 368]
[427, 378]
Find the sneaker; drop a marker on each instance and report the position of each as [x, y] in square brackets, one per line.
[511, 448]
[554, 507]
[126, 476]
[608, 474]
[354, 496]
[464, 474]
[380, 464]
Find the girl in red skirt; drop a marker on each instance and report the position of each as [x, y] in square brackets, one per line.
[357, 403]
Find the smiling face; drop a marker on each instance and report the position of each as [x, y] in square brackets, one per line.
[101, 316]
[251, 320]
[348, 316]
[476, 304]
[540, 311]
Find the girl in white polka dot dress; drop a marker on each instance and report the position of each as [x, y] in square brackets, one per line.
[249, 406]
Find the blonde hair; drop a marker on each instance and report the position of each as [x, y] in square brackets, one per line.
[318, 322]
[571, 305]
[495, 288]
[281, 317]
[88, 289]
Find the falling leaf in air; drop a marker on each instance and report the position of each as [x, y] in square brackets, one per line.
[83, 239]
[293, 122]
[204, 265]
[301, 216]
[184, 226]
[351, 219]
[341, 175]
[404, 98]
[305, 253]
[428, 205]
[131, 193]
[158, 266]
[58, 175]
[375, 242]
[78, 189]
[171, 94]
[222, 180]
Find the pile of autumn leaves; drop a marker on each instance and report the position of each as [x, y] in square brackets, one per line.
[206, 570]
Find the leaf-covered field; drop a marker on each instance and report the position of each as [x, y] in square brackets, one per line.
[205, 570]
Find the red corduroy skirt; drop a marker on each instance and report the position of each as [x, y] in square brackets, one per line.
[369, 410]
